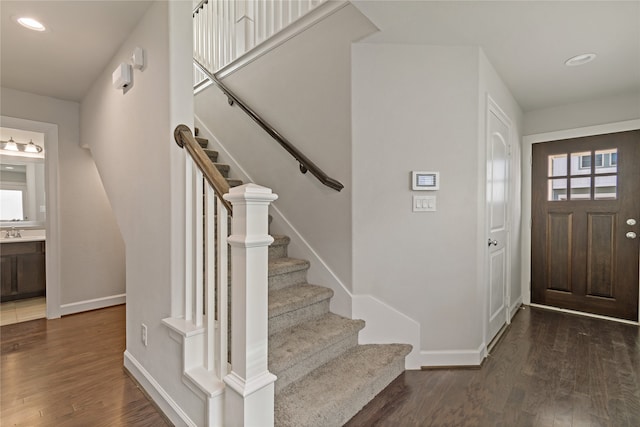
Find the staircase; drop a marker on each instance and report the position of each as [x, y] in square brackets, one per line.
[324, 376]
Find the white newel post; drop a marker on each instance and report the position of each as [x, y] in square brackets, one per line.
[249, 398]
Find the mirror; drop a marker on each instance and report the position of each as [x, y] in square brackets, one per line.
[22, 185]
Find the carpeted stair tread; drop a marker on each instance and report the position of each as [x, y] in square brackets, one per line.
[223, 168]
[301, 342]
[333, 393]
[296, 297]
[286, 265]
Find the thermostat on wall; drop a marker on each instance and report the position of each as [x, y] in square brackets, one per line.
[425, 180]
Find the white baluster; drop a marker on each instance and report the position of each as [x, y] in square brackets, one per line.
[198, 214]
[210, 246]
[189, 244]
[222, 290]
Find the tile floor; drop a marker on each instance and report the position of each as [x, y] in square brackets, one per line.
[22, 310]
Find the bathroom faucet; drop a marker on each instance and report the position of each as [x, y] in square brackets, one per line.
[12, 233]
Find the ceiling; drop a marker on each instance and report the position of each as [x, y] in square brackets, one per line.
[526, 41]
[63, 61]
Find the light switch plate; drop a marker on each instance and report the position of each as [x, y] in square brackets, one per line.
[424, 203]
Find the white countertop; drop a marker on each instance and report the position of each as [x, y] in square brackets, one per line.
[27, 236]
[22, 239]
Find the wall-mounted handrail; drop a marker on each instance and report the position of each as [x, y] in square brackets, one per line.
[305, 163]
[185, 139]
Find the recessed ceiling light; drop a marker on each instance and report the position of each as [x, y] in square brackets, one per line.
[31, 24]
[580, 59]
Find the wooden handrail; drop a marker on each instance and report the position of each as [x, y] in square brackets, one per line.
[185, 139]
[305, 163]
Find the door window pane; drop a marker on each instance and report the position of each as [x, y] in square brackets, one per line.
[606, 187]
[581, 163]
[558, 165]
[608, 161]
[580, 188]
[558, 189]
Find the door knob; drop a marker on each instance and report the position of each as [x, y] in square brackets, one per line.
[631, 235]
[493, 242]
[631, 221]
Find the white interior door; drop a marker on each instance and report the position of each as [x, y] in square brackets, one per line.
[497, 217]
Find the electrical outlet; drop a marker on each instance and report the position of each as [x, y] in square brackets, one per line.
[144, 334]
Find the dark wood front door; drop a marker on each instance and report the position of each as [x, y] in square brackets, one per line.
[585, 222]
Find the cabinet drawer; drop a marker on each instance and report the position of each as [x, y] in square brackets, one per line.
[18, 248]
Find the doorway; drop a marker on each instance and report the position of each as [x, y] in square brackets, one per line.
[584, 224]
[51, 225]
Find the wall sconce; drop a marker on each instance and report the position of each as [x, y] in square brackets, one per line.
[17, 147]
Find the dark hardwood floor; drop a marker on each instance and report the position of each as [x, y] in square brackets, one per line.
[68, 372]
[549, 369]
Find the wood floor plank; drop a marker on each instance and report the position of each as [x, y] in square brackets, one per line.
[69, 372]
[549, 369]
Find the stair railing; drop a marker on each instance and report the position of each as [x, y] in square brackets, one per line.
[249, 392]
[304, 162]
[226, 29]
[206, 287]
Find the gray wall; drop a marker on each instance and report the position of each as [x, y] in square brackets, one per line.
[422, 264]
[131, 137]
[419, 107]
[303, 88]
[91, 249]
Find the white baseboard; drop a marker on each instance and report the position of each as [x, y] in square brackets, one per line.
[160, 397]
[92, 304]
[453, 357]
[514, 308]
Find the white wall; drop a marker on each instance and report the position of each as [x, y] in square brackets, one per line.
[303, 89]
[131, 138]
[416, 108]
[595, 112]
[91, 249]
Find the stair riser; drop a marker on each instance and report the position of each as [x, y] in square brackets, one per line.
[384, 377]
[278, 251]
[213, 155]
[333, 393]
[292, 318]
[280, 281]
[224, 170]
[299, 370]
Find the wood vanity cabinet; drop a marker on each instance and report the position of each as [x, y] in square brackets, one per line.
[23, 270]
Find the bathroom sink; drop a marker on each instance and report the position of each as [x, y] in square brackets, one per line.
[26, 236]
